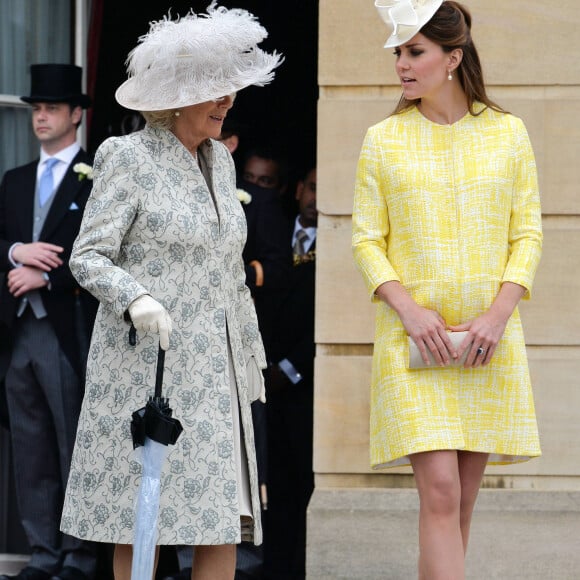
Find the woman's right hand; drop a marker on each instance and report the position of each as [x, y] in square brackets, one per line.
[428, 330]
[149, 315]
[426, 327]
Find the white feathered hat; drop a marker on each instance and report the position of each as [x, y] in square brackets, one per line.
[405, 17]
[195, 59]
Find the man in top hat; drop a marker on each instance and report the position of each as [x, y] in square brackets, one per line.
[49, 318]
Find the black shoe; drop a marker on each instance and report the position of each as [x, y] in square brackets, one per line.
[70, 573]
[184, 574]
[28, 573]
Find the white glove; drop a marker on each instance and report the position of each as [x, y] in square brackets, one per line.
[256, 385]
[150, 316]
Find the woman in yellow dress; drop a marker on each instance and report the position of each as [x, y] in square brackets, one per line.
[447, 235]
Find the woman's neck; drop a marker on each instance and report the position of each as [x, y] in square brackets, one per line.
[189, 141]
[446, 110]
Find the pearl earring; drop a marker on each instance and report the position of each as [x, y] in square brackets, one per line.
[449, 76]
[177, 113]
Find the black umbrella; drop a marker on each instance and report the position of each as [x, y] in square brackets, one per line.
[154, 428]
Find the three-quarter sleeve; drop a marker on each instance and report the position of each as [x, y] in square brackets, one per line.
[525, 228]
[370, 219]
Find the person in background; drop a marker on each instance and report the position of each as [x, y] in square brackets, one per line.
[48, 317]
[267, 260]
[161, 247]
[290, 399]
[232, 133]
[447, 235]
[266, 167]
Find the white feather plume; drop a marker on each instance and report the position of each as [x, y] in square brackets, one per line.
[195, 59]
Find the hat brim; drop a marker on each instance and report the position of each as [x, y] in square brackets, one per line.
[83, 101]
[128, 96]
[132, 94]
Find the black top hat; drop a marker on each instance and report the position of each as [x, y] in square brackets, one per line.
[56, 83]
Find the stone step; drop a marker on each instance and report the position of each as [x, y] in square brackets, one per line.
[12, 563]
[371, 534]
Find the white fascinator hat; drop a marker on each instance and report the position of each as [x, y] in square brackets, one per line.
[405, 17]
[196, 58]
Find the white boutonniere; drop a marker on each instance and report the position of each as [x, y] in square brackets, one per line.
[84, 171]
[244, 196]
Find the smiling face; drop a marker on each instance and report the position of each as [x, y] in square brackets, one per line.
[196, 123]
[423, 67]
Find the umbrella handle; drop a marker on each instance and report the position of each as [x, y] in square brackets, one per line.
[159, 375]
[132, 335]
[160, 361]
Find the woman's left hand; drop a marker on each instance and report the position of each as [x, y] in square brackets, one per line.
[485, 332]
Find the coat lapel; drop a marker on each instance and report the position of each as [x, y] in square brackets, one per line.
[66, 194]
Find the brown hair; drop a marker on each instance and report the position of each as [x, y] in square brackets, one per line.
[450, 28]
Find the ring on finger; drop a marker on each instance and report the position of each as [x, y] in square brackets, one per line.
[480, 351]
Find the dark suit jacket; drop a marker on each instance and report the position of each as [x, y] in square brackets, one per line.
[70, 309]
[267, 242]
[4, 361]
[293, 330]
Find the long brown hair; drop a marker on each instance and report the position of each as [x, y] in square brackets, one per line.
[450, 28]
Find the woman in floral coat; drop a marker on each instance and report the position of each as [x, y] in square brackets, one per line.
[161, 244]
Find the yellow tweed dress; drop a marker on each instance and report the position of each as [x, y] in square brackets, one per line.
[452, 212]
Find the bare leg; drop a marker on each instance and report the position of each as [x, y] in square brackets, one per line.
[441, 555]
[122, 560]
[214, 562]
[471, 469]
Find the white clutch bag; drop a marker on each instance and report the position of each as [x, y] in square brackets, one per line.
[416, 360]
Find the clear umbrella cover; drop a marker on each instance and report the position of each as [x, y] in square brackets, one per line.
[153, 428]
[147, 507]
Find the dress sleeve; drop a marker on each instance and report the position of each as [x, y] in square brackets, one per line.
[370, 218]
[525, 228]
[109, 214]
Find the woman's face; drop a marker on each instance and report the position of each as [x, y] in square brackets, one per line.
[204, 120]
[422, 66]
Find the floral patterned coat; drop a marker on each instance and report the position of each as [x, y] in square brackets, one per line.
[152, 226]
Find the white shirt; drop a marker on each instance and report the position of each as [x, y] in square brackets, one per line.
[310, 232]
[64, 156]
